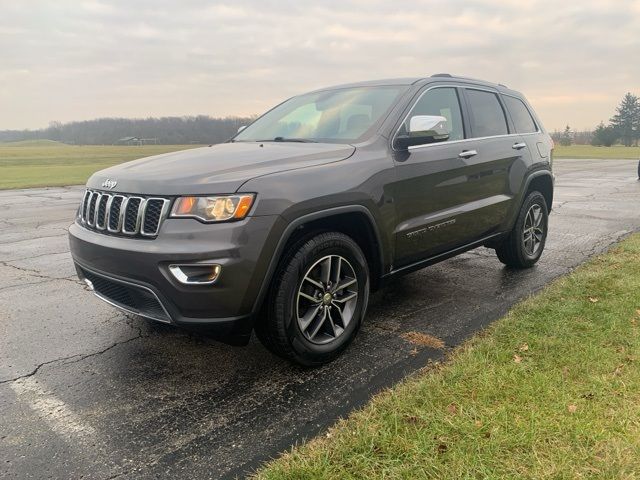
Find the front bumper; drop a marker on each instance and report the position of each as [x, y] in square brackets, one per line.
[225, 308]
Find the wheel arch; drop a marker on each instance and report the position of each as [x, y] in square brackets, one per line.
[541, 181]
[356, 221]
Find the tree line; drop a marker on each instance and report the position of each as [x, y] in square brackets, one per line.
[623, 127]
[199, 129]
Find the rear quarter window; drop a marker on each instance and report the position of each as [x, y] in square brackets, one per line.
[520, 114]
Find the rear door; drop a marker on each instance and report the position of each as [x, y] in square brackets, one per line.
[501, 155]
[527, 128]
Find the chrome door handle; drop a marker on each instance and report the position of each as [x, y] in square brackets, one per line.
[467, 153]
[519, 146]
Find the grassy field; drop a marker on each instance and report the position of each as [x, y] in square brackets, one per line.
[44, 163]
[550, 391]
[587, 151]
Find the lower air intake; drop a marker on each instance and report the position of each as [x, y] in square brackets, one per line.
[129, 297]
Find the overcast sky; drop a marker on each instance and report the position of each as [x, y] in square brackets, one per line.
[73, 60]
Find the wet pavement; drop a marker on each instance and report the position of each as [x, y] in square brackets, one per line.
[87, 391]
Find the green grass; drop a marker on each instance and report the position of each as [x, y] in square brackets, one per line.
[33, 143]
[550, 391]
[587, 151]
[44, 163]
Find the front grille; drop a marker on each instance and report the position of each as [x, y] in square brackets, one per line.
[123, 214]
[130, 297]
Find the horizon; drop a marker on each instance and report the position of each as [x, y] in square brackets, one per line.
[67, 61]
[228, 117]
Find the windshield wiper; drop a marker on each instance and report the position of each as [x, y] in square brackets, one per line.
[298, 140]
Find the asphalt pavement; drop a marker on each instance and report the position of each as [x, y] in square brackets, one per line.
[87, 391]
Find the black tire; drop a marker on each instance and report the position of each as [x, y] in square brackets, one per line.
[513, 252]
[280, 329]
[638, 170]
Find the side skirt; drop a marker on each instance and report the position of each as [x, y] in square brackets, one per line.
[491, 239]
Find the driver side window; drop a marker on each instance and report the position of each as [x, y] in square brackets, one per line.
[440, 101]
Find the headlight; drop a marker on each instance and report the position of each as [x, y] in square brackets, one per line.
[213, 209]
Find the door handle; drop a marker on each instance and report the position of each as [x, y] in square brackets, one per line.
[519, 146]
[467, 153]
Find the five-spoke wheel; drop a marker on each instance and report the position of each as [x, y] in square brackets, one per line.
[326, 300]
[522, 247]
[318, 299]
[533, 232]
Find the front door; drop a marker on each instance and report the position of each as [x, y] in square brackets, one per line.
[431, 182]
[453, 192]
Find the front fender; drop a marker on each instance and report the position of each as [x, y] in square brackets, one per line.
[292, 226]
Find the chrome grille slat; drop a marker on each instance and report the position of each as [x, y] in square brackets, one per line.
[149, 216]
[123, 209]
[85, 205]
[132, 215]
[114, 213]
[91, 216]
[101, 211]
[122, 214]
[107, 214]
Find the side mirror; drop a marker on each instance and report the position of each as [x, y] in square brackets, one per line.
[241, 128]
[424, 129]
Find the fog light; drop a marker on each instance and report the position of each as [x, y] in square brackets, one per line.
[196, 273]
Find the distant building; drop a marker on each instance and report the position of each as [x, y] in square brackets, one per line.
[137, 141]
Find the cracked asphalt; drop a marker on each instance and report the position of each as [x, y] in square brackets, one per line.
[87, 391]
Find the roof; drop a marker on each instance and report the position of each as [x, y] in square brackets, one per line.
[416, 80]
[372, 83]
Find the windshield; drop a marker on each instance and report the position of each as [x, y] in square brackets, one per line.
[336, 116]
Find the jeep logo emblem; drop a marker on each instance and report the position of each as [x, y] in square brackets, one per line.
[110, 184]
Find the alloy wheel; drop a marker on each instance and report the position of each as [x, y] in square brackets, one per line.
[533, 232]
[327, 298]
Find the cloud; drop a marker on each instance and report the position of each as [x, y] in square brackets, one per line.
[67, 60]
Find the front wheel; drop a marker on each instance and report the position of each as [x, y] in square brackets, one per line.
[317, 301]
[523, 246]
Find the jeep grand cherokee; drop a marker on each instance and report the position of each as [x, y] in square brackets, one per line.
[286, 228]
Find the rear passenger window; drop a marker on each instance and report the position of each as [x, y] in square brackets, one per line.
[522, 119]
[441, 101]
[487, 116]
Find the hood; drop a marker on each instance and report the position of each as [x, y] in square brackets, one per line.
[217, 169]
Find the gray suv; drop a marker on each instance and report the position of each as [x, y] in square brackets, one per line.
[286, 228]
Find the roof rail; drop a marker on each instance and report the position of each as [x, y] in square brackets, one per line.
[442, 75]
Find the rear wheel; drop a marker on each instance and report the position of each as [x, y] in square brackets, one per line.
[317, 301]
[523, 246]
